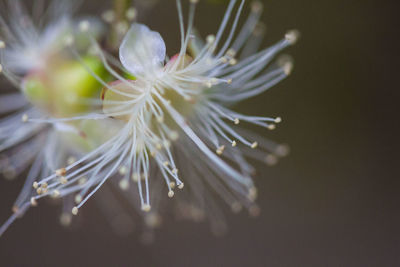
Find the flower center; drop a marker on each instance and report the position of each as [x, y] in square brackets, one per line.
[125, 99]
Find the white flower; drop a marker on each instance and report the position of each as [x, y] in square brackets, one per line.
[172, 122]
[29, 44]
[181, 109]
[32, 40]
[26, 47]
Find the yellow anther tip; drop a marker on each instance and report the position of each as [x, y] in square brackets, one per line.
[146, 207]
[33, 202]
[292, 36]
[75, 211]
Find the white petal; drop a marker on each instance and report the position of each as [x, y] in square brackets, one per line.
[142, 50]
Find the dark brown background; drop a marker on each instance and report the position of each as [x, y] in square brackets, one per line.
[333, 202]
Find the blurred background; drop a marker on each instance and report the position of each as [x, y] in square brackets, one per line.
[332, 202]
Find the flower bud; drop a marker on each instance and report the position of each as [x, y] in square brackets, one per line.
[64, 87]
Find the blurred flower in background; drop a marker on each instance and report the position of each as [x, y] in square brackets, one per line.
[100, 103]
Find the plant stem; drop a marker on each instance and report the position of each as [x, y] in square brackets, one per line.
[120, 7]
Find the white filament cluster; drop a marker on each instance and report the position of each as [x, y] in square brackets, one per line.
[175, 120]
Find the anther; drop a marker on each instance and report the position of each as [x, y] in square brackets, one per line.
[229, 81]
[135, 177]
[256, 6]
[231, 52]
[171, 194]
[152, 220]
[84, 26]
[287, 68]
[63, 180]
[282, 150]
[123, 170]
[292, 36]
[194, 1]
[166, 163]
[158, 146]
[236, 121]
[39, 191]
[56, 194]
[214, 80]
[131, 13]
[252, 193]
[254, 145]
[175, 171]
[71, 160]
[220, 150]
[254, 211]
[61, 172]
[286, 63]
[160, 119]
[234, 143]
[124, 184]
[65, 219]
[1, 68]
[278, 119]
[232, 61]
[2, 44]
[33, 202]
[15, 209]
[172, 185]
[122, 27]
[271, 127]
[24, 118]
[146, 207]
[181, 185]
[78, 199]
[82, 180]
[236, 207]
[35, 185]
[108, 16]
[75, 211]
[271, 160]
[167, 144]
[210, 39]
[173, 135]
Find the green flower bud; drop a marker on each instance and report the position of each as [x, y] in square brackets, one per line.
[64, 88]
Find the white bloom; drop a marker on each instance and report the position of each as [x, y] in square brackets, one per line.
[179, 110]
[31, 40]
[173, 123]
[30, 43]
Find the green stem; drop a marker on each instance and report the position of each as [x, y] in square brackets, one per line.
[120, 7]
